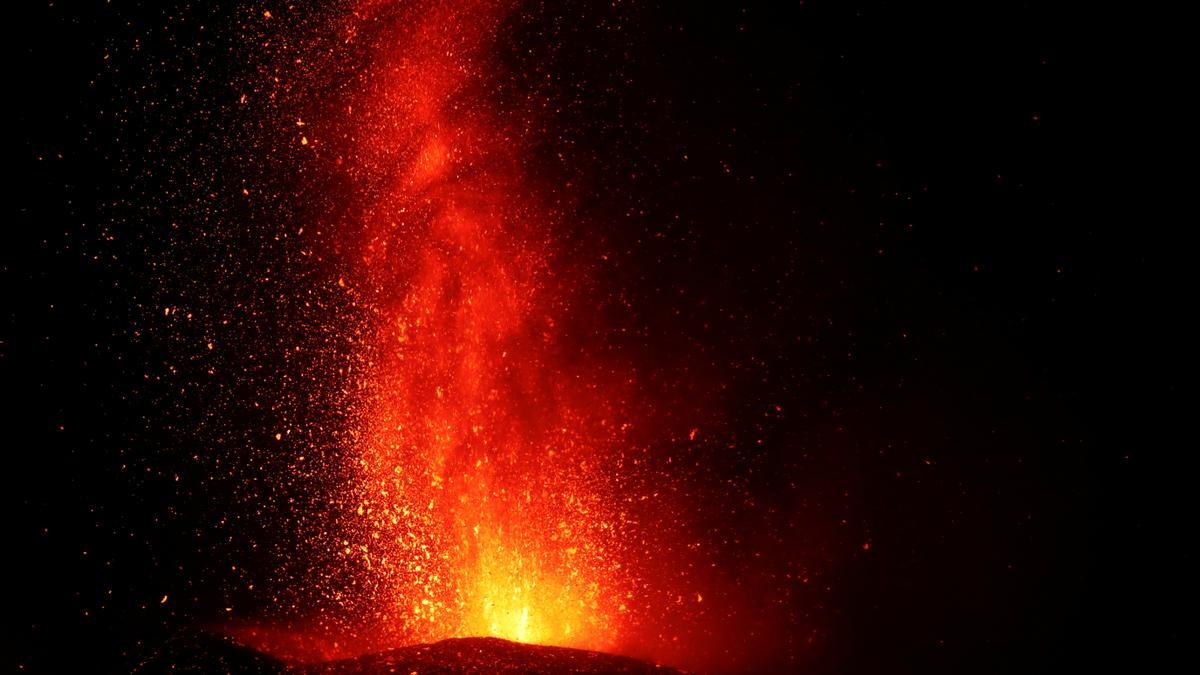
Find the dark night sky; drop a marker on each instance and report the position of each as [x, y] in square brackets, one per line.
[919, 229]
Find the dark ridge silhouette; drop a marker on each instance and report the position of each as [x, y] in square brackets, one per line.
[208, 653]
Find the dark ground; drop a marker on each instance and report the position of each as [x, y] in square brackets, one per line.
[203, 653]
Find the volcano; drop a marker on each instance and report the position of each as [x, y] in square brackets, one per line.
[206, 653]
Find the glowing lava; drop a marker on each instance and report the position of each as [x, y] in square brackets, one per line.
[500, 469]
[482, 502]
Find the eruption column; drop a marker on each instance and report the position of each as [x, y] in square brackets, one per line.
[485, 431]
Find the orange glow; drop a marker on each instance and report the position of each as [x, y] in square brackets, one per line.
[501, 467]
[480, 495]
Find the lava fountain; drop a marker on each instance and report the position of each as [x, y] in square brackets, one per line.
[481, 493]
[480, 490]
[494, 478]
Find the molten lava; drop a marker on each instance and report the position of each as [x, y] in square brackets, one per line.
[482, 499]
[502, 471]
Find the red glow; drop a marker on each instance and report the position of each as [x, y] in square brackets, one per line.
[505, 472]
[481, 505]
[483, 468]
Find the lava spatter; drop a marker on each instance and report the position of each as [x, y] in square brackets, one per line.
[494, 475]
[481, 490]
[481, 466]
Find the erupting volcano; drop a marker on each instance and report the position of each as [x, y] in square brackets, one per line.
[358, 336]
[488, 485]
